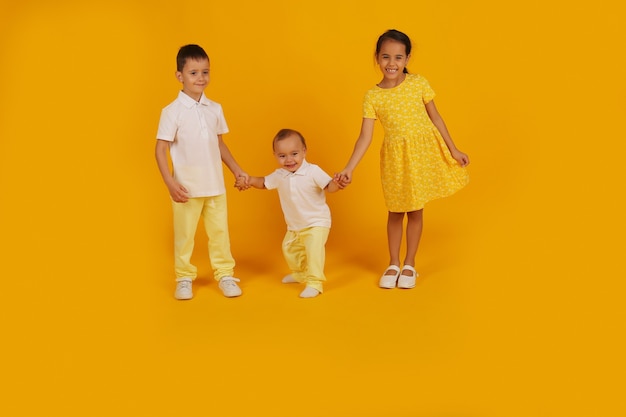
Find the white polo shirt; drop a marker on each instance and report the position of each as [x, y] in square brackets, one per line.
[192, 127]
[302, 195]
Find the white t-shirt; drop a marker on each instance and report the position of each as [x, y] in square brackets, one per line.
[192, 127]
[302, 195]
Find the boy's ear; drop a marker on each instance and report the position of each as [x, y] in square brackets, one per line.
[179, 76]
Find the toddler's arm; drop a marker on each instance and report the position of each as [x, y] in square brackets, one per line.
[257, 182]
[177, 191]
[335, 185]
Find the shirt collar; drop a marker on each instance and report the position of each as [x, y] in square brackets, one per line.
[189, 102]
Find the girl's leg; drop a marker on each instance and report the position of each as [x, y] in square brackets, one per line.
[413, 235]
[394, 239]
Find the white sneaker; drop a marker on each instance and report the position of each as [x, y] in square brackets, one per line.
[183, 289]
[229, 287]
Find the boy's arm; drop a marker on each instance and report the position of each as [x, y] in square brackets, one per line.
[177, 191]
[229, 160]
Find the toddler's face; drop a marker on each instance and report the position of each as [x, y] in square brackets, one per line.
[290, 153]
[195, 77]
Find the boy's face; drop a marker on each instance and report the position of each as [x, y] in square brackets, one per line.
[290, 153]
[195, 77]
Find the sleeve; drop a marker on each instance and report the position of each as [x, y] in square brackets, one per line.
[271, 181]
[428, 94]
[369, 112]
[320, 177]
[167, 125]
[222, 127]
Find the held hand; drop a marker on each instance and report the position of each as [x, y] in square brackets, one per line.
[178, 193]
[242, 182]
[460, 157]
[343, 179]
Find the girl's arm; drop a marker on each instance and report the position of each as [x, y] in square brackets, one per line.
[437, 120]
[177, 191]
[360, 147]
[229, 160]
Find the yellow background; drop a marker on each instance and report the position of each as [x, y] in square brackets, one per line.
[519, 308]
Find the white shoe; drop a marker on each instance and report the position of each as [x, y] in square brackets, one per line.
[288, 279]
[183, 289]
[229, 287]
[309, 292]
[407, 281]
[389, 281]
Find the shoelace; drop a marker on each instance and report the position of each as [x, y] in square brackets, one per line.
[229, 282]
[184, 285]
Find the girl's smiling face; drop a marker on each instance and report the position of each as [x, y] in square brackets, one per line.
[392, 59]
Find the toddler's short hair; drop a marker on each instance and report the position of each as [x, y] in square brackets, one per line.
[285, 133]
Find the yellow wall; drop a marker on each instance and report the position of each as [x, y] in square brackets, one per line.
[529, 321]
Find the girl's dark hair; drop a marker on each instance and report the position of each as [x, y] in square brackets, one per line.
[190, 51]
[394, 35]
[285, 133]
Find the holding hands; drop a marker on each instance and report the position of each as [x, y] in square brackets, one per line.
[343, 179]
[242, 182]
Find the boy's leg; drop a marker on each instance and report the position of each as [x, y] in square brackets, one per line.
[294, 253]
[314, 239]
[186, 216]
[215, 217]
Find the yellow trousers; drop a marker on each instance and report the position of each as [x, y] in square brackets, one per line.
[213, 212]
[305, 254]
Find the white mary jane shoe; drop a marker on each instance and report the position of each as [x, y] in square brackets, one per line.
[407, 281]
[389, 281]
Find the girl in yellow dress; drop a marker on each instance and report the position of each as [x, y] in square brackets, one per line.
[418, 159]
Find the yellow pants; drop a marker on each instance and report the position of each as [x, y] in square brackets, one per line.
[305, 255]
[213, 212]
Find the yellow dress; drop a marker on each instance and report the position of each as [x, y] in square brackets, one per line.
[415, 162]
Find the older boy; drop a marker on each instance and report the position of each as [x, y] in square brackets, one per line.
[191, 128]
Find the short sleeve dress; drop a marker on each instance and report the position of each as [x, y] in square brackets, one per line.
[415, 163]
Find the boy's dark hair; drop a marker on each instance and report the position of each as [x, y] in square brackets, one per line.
[394, 35]
[190, 51]
[285, 133]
